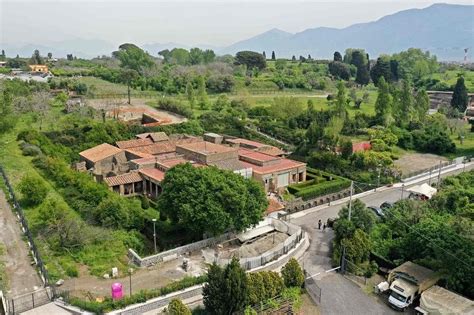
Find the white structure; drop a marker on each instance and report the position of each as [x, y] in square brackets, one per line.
[422, 192]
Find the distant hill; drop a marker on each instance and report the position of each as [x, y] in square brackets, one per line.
[83, 48]
[443, 29]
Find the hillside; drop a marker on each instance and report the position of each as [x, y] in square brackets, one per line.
[443, 29]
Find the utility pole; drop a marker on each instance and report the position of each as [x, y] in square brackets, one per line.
[439, 175]
[429, 180]
[343, 262]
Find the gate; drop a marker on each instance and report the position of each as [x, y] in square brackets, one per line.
[312, 288]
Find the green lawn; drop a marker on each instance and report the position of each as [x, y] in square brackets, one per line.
[450, 77]
[467, 146]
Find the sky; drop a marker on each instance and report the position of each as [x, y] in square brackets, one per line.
[190, 22]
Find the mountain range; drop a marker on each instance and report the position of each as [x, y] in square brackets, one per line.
[443, 29]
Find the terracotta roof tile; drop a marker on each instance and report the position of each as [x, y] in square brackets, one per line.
[282, 165]
[274, 206]
[128, 178]
[205, 147]
[153, 173]
[100, 152]
[128, 144]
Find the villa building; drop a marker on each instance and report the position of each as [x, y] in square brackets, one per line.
[138, 166]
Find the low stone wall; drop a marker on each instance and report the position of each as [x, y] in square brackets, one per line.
[299, 204]
[295, 238]
[171, 254]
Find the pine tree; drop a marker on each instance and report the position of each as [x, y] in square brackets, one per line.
[405, 110]
[202, 93]
[460, 98]
[383, 104]
[190, 94]
[273, 55]
[422, 104]
[293, 58]
[264, 55]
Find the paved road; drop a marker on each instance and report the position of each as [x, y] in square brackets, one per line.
[22, 276]
[340, 295]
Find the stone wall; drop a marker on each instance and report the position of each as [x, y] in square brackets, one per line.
[440, 99]
[299, 204]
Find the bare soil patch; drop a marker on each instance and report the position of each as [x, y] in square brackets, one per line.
[21, 273]
[414, 162]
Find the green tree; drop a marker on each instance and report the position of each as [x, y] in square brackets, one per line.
[226, 291]
[221, 103]
[383, 104]
[112, 212]
[190, 94]
[339, 70]
[251, 59]
[337, 56]
[405, 111]
[196, 56]
[127, 76]
[273, 55]
[359, 60]
[202, 93]
[460, 98]
[208, 56]
[132, 57]
[33, 190]
[176, 307]
[7, 116]
[422, 104]
[341, 100]
[211, 200]
[292, 273]
[381, 69]
[361, 217]
[2, 55]
[357, 248]
[36, 59]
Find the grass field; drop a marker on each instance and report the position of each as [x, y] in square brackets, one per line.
[450, 77]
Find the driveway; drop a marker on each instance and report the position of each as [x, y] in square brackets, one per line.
[340, 295]
[22, 276]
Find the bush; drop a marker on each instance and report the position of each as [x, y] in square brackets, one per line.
[292, 274]
[33, 189]
[176, 107]
[30, 150]
[176, 307]
[320, 189]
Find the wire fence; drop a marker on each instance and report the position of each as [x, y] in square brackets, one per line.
[312, 288]
[39, 297]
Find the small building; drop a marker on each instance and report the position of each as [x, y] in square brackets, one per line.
[128, 184]
[154, 136]
[105, 160]
[255, 146]
[274, 172]
[3, 64]
[39, 68]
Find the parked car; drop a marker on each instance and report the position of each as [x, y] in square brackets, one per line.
[386, 205]
[377, 210]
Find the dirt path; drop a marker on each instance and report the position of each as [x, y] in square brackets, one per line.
[22, 276]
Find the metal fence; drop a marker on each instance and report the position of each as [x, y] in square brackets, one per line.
[312, 288]
[432, 170]
[29, 301]
[36, 298]
[296, 235]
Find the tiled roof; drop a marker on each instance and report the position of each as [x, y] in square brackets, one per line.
[247, 142]
[282, 165]
[128, 144]
[257, 156]
[155, 136]
[100, 152]
[153, 173]
[270, 150]
[139, 154]
[228, 164]
[157, 148]
[205, 147]
[128, 178]
[274, 206]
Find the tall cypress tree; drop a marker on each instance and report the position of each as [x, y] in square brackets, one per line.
[460, 98]
[273, 55]
[383, 104]
[264, 54]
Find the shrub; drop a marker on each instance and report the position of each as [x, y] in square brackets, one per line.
[30, 150]
[176, 307]
[175, 107]
[33, 189]
[323, 189]
[292, 274]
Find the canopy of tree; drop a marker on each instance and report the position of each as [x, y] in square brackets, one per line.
[209, 200]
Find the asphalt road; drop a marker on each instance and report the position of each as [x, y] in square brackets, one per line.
[340, 295]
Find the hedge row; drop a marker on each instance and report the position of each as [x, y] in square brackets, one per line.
[323, 189]
[176, 107]
[144, 295]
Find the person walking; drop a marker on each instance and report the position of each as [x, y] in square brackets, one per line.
[324, 227]
[319, 224]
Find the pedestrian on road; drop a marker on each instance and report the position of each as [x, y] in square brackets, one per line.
[324, 227]
[319, 224]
